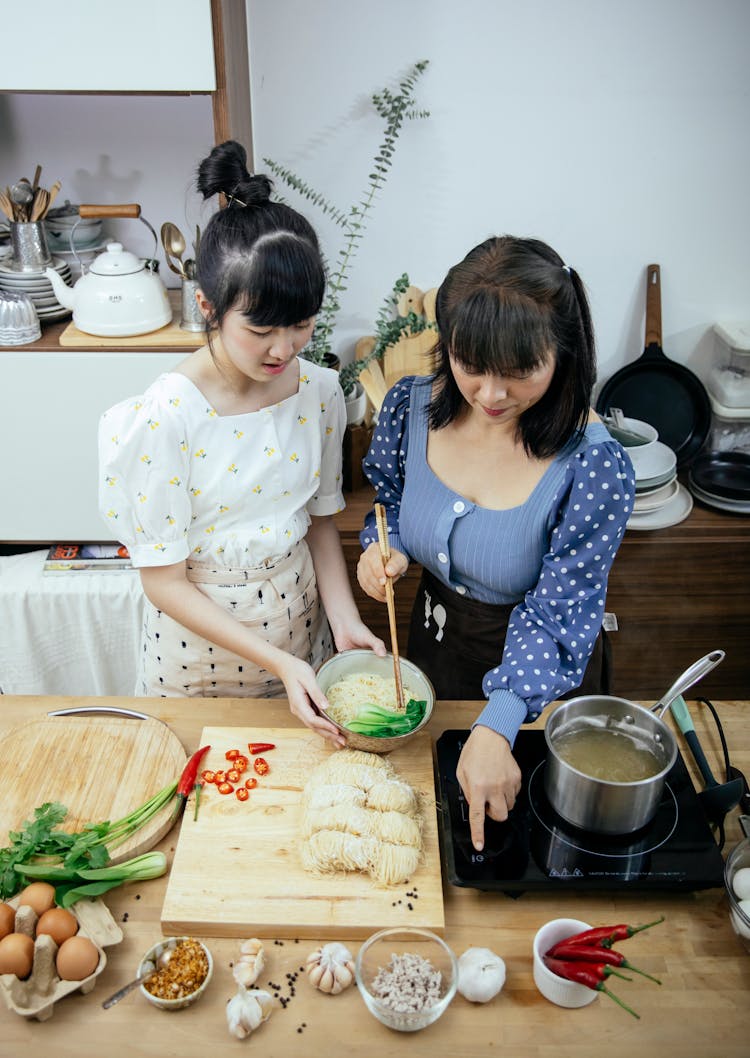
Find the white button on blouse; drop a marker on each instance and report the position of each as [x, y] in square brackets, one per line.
[460, 589]
[442, 557]
[459, 506]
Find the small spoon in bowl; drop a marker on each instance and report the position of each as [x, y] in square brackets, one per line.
[161, 962]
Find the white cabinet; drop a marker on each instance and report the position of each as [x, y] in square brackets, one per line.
[87, 46]
[50, 404]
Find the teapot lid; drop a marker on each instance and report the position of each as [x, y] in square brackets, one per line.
[116, 261]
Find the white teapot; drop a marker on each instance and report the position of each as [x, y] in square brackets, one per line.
[121, 294]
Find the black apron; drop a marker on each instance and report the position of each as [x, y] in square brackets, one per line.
[455, 641]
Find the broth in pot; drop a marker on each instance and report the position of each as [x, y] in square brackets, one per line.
[602, 753]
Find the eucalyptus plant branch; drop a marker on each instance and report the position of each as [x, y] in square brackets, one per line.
[394, 107]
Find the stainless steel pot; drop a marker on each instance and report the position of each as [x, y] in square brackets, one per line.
[614, 807]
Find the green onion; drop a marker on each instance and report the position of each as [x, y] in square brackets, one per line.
[40, 850]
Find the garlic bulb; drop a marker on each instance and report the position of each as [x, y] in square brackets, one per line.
[331, 968]
[249, 966]
[247, 1010]
[481, 974]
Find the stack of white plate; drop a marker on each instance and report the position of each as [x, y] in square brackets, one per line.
[660, 500]
[37, 286]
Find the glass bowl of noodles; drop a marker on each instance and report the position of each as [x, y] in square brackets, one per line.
[361, 692]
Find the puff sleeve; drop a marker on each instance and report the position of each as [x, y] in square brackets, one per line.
[385, 463]
[329, 496]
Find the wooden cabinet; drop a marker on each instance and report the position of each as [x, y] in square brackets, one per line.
[173, 47]
[677, 594]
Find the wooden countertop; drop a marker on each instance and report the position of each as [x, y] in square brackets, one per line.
[700, 1011]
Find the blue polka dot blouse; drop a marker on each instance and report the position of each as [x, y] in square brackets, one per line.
[551, 555]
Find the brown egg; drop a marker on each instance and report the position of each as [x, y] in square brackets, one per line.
[59, 923]
[39, 895]
[77, 958]
[16, 954]
[7, 920]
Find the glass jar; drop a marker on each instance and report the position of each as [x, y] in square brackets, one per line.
[729, 378]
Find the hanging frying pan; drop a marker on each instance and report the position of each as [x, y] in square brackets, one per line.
[659, 391]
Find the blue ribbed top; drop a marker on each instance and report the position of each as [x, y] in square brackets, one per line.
[553, 552]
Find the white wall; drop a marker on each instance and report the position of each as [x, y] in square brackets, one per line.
[616, 131]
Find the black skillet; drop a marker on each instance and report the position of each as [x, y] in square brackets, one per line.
[660, 391]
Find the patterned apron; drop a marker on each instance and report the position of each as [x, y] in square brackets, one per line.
[278, 601]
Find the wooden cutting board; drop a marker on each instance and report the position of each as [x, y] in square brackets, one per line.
[100, 767]
[237, 872]
[170, 337]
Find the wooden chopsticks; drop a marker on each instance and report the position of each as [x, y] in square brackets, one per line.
[385, 552]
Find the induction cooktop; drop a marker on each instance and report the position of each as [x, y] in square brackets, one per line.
[535, 849]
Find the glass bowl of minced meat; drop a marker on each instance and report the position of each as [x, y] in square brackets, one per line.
[361, 690]
[406, 977]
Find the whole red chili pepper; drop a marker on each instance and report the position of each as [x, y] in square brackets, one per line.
[260, 747]
[261, 766]
[606, 936]
[591, 975]
[584, 953]
[188, 779]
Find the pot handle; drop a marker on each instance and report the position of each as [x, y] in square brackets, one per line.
[690, 676]
[131, 210]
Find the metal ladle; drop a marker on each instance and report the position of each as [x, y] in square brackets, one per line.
[21, 195]
[161, 962]
[174, 245]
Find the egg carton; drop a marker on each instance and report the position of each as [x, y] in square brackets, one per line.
[35, 998]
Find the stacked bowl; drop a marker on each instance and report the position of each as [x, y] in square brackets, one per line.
[660, 499]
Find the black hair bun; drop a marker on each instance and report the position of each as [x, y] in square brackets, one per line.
[224, 171]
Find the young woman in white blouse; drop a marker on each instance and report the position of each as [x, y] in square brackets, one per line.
[499, 478]
[223, 478]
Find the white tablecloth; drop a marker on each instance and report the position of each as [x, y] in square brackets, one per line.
[75, 633]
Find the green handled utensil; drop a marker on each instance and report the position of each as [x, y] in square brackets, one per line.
[717, 798]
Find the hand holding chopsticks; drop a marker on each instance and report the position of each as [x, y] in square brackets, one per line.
[385, 552]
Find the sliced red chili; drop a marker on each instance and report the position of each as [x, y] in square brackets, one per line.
[220, 776]
[233, 775]
[241, 794]
[251, 783]
[260, 747]
[261, 766]
[209, 776]
[231, 754]
[225, 787]
[240, 763]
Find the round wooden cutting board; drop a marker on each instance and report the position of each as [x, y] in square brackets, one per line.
[100, 767]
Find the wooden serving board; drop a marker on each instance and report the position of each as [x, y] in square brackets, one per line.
[169, 337]
[100, 767]
[237, 871]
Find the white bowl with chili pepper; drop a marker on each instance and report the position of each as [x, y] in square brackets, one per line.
[406, 977]
[185, 977]
[556, 989]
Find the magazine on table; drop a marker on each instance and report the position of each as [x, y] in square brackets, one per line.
[93, 558]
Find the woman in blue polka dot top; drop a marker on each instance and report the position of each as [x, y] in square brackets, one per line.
[499, 479]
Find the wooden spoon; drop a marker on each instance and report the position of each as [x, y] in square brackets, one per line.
[40, 205]
[7, 206]
[385, 552]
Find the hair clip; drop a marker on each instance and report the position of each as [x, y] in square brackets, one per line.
[231, 198]
[566, 268]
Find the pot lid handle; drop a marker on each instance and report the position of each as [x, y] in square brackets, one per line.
[690, 676]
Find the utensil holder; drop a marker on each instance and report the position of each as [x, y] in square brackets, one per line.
[29, 244]
[192, 318]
